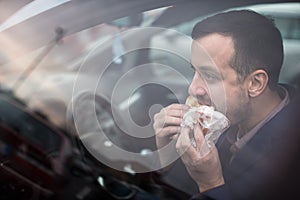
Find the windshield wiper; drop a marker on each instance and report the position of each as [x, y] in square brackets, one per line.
[25, 74]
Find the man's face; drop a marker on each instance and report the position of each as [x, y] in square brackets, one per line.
[215, 82]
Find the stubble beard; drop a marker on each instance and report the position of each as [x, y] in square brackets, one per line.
[241, 109]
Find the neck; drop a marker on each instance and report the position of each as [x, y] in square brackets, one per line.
[260, 107]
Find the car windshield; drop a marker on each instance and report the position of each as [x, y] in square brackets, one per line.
[101, 75]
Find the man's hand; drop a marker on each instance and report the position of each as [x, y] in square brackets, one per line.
[167, 127]
[201, 161]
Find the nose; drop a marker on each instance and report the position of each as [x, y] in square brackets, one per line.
[198, 87]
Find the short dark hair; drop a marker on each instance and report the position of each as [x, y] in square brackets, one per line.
[257, 42]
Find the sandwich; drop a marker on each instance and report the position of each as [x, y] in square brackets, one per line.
[212, 122]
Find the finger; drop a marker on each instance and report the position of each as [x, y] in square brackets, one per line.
[177, 110]
[166, 117]
[202, 145]
[184, 145]
[171, 110]
[172, 121]
[168, 131]
[168, 121]
[174, 137]
[184, 138]
[175, 113]
[176, 106]
[198, 134]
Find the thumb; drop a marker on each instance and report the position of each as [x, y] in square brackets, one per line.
[202, 145]
[198, 134]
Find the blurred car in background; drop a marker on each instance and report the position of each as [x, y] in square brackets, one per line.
[286, 17]
[82, 68]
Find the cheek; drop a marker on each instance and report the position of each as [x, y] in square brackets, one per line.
[218, 96]
[226, 97]
[221, 91]
[237, 106]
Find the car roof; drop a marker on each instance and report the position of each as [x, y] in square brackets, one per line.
[290, 9]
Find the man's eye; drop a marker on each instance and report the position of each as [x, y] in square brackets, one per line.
[209, 76]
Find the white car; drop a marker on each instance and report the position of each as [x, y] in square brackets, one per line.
[286, 17]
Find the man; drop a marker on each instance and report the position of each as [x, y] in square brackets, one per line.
[237, 58]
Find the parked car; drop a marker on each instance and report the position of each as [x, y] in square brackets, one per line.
[286, 17]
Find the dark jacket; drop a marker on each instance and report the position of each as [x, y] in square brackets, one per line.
[268, 167]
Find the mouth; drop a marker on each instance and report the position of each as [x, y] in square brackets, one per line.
[199, 100]
[206, 102]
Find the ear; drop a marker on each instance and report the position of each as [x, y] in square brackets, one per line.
[258, 81]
